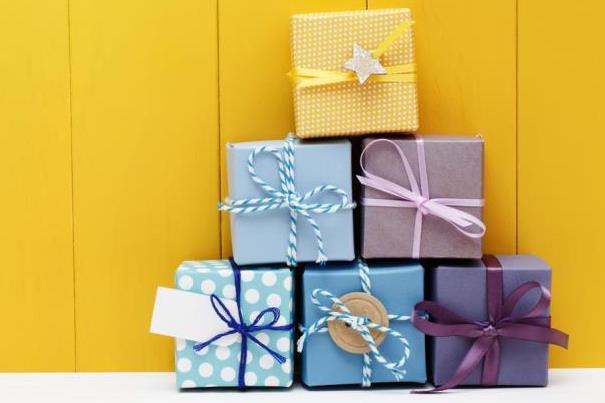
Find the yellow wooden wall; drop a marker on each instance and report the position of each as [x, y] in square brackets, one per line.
[36, 270]
[115, 115]
[561, 128]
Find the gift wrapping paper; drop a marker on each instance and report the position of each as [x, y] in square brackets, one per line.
[460, 287]
[398, 286]
[325, 41]
[217, 366]
[262, 236]
[454, 167]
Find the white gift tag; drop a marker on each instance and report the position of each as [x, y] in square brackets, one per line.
[190, 316]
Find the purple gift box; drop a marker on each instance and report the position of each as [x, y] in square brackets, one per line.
[491, 319]
[422, 197]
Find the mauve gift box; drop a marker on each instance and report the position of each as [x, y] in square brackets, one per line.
[460, 287]
[454, 167]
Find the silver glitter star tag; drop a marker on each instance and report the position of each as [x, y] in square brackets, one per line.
[363, 64]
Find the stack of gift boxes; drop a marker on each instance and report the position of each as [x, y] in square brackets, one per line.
[296, 290]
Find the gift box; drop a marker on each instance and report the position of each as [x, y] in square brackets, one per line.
[422, 197]
[494, 315]
[212, 357]
[292, 203]
[334, 351]
[354, 73]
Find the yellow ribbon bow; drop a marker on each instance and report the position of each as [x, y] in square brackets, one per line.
[401, 73]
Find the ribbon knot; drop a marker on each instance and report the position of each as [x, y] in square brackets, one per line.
[246, 331]
[289, 198]
[531, 325]
[292, 201]
[357, 322]
[360, 324]
[418, 196]
[490, 330]
[420, 205]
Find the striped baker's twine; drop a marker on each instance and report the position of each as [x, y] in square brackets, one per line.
[288, 197]
[360, 324]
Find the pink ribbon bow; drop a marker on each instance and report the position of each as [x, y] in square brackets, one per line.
[418, 197]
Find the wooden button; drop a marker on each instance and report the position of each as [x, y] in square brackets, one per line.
[364, 305]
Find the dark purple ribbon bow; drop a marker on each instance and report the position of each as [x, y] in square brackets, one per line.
[245, 330]
[531, 326]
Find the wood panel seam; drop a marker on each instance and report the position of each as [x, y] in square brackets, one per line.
[71, 156]
[220, 139]
[517, 126]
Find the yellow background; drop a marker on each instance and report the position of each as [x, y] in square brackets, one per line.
[113, 120]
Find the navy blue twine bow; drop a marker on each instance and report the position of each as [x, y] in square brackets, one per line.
[240, 326]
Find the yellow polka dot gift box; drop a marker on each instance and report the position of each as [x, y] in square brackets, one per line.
[233, 326]
[354, 73]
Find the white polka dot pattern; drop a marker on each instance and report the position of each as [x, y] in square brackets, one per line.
[229, 291]
[250, 378]
[222, 353]
[205, 369]
[185, 282]
[180, 344]
[325, 41]
[183, 365]
[208, 287]
[283, 344]
[188, 383]
[252, 296]
[218, 366]
[227, 374]
[271, 381]
[263, 337]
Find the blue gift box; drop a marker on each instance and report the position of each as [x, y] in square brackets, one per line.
[261, 237]
[217, 365]
[398, 286]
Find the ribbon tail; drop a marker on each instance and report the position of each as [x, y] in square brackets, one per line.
[417, 239]
[474, 356]
[465, 223]
[203, 345]
[241, 376]
[491, 364]
[277, 356]
[536, 333]
[450, 324]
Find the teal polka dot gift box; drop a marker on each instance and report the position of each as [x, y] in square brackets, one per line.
[224, 313]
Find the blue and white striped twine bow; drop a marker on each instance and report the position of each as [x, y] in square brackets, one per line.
[362, 325]
[288, 197]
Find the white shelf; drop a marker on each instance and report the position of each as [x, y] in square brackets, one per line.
[566, 385]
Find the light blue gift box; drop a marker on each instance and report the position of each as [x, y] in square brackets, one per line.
[398, 286]
[262, 237]
[217, 366]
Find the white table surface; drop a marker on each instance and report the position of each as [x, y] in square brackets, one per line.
[566, 385]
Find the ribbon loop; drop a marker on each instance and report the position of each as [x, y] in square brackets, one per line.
[417, 196]
[259, 318]
[539, 308]
[221, 311]
[324, 300]
[289, 198]
[238, 325]
[529, 326]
